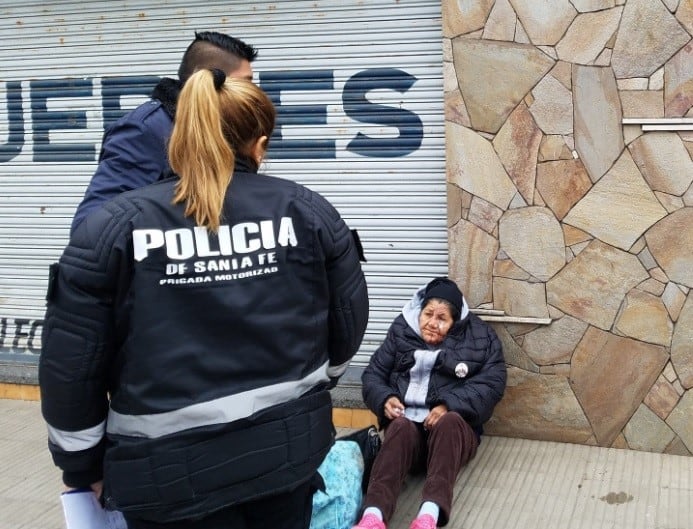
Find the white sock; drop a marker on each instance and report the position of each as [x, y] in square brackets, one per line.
[374, 511]
[428, 507]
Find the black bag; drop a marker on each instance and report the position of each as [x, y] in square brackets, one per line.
[369, 442]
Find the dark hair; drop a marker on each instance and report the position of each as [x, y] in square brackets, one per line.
[210, 49]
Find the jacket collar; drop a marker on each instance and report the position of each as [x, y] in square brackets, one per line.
[245, 166]
[167, 91]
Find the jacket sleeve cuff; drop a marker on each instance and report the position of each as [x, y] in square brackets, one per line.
[83, 478]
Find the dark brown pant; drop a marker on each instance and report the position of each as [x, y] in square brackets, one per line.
[442, 452]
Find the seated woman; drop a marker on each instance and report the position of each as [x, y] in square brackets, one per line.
[432, 383]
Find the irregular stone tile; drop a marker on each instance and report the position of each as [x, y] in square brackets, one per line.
[449, 77]
[447, 50]
[587, 36]
[578, 248]
[687, 136]
[662, 398]
[512, 352]
[517, 145]
[501, 22]
[553, 148]
[619, 208]
[636, 83]
[678, 387]
[684, 14]
[539, 407]
[642, 103]
[518, 330]
[573, 236]
[682, 346]
[671, 4]
[678, 83]
[647, 432]
[532, 238]
[490, 95]
[611, 376]
[688, 197]
[604, 274]
[669, 202]
[671, 244]
[673, 299]
[517, 202]
[652, 286]
[484, 214]
[555, 343]
[570, 142]
[677, 448]
[521, 36]
[455, 110]
[664, 162]
[638, 246]
[658, 274]
[473, 165]
[604, 58]
[657, 80]
[464, 16]
[648, 36]
[506, 268]
[472, 252]
[454, 200]
[593, 5]
[549, 50]
[680, 420]
[631, 133]
[597, 120]
[644, 317]
[669, 372]
[552, 107]
[647, 260]
[562, 184]
[520, 298]
[556, 314]
[620, 443]
[544, 20]
[563, 72]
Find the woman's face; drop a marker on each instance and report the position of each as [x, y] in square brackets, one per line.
[435, 321]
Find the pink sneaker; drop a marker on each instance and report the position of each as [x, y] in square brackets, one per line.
[371, 521]
[425, 521]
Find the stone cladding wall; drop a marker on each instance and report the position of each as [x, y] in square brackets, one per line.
[557, 209]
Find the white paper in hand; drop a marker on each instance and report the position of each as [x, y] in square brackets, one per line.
[83, 511]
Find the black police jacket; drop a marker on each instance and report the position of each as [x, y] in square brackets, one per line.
[190, 369]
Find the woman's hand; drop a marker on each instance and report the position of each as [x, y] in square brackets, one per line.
[434, 416]
[393, 408]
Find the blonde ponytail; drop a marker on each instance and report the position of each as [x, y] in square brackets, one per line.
[199, 152]
[217, 121]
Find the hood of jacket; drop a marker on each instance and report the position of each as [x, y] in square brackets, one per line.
[412, 310]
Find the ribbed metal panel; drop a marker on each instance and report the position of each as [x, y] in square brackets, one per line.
[360, 96]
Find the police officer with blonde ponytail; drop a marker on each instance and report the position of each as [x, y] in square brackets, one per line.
[194, 328]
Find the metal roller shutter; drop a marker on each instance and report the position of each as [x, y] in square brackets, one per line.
[360, 96]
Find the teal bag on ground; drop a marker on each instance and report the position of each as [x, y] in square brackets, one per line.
[342, 471]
